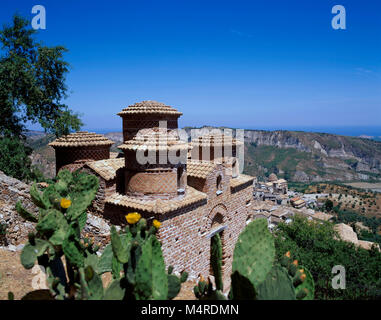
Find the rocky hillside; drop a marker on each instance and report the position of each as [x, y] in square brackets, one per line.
[295, 155]
[305, 156]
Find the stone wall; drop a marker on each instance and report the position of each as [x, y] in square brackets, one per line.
[12, 190]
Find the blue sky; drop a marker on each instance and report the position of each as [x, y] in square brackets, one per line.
[243, 64]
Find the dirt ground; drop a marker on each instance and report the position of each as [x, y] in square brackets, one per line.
[14, 278]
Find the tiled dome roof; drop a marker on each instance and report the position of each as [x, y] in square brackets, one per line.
[155, 139]
[149, 107]
[215, 140]
[273, 177]
[80, 139]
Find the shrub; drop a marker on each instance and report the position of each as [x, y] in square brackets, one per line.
[314, 247]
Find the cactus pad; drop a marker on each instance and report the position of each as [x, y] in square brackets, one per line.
[308, 284]
[254, 252]
[277, 286]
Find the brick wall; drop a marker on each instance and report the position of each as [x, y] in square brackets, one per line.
[77, 156]
[185, 233]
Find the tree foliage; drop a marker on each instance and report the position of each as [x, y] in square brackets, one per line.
[32, 88]
[32, 83]
[314, 246]
[15, 161]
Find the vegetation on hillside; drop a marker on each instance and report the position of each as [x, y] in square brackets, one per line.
[314, 156]
[314, 246]
[348, 198]
[15, 160]
[264, 160]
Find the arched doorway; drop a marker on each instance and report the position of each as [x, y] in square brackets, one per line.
[216, 234]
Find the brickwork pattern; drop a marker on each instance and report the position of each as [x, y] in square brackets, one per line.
[185, 233]
[80, 155]
[151, 182]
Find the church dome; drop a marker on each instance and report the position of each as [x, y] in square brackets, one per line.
[273, 177]
[149, 107]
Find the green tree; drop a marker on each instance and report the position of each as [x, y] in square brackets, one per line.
[32, 87]
[328, 205]
[32, 82]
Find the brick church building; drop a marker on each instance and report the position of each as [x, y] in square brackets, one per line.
[193, 188]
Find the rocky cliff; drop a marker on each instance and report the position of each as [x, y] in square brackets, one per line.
[295, 155]
[319, 156]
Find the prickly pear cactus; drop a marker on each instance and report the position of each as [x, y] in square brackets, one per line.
[151, 278]
[204, 291]
[302, 279]
[216, 260]
[277, 286]
[174, 283]
[241, 288]
[254, 252]
[256, 274]
[306, 290]
[62, 216]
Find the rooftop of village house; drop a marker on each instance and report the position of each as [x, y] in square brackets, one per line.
[81, 139]
[272, 177]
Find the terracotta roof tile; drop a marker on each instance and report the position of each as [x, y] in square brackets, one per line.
[149, 107]
[80, 139]
[157, 206]
[155, 139]
[215, 140]
[200, 169]
[240, 180]
[106, 168]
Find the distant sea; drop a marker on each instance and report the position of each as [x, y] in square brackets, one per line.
[373, 132]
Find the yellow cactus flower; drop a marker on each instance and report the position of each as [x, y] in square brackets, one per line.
[295, 262]
[156, 223]
[65, 203]
[301, 270]
[303, 277]
[133, 217]
[288, 254]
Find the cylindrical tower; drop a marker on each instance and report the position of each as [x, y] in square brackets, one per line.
[155, 156]
[73, 150]
[220, 148]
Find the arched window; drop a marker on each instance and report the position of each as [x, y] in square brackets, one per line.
[234, 169]
[219, 183]
[180, 180]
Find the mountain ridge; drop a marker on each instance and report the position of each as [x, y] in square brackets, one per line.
[295, 155]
